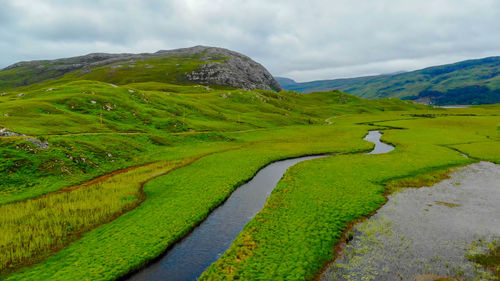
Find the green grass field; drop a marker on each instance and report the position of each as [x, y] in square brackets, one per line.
[295, 234]
[178, 150]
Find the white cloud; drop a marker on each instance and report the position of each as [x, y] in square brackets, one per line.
[304, 40]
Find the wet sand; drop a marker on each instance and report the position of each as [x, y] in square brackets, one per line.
[426, 233]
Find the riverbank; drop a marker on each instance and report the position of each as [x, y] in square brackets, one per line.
[194, 253]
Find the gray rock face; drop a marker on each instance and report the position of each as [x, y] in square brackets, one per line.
[40, 144]
[236, 70]
[6, 133]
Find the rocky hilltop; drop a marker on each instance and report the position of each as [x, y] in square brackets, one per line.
[236, 70]
[203, 65]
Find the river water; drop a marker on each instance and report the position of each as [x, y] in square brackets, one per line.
[380, 147]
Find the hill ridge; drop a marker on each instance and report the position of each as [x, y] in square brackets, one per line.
[204, 65]
[475, 81]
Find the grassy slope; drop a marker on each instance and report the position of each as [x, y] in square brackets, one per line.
[457, 76]
[140, 123]
[294, 235]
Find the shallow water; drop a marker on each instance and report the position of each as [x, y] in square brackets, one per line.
[192, 255]
[425, 233]
[380, 147]
[454, 106]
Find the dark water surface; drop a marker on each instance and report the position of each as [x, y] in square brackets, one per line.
[192, 255]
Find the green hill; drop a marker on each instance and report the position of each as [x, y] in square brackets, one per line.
[466, 82]
[188, 66]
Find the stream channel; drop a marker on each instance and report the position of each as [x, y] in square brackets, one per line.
[188, 258]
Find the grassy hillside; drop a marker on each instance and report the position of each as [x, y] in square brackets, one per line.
[92, 128]
[169, 69]
[467, 82]
[209, 66]
[100, 123]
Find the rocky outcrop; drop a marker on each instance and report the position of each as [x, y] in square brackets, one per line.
[232, 69]
[6, 133]
[236, 70]
[41, 144]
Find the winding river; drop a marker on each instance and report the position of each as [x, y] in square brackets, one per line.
[188, 258]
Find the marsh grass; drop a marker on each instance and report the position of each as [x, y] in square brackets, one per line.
[489, 259]
[295, 233]
[35, 228]
[419, 180]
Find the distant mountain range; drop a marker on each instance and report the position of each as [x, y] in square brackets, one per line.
[467, 82]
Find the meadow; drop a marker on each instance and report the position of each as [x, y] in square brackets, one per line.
[178, 151]
[295, 234]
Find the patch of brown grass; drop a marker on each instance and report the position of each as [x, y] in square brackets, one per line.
[421, 180]
[35, 228]
[447, 204]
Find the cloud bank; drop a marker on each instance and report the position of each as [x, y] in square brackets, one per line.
[304, 40]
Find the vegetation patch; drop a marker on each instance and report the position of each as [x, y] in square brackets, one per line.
[447, 204]
[35, 228]
[418, 180]
[490, 259]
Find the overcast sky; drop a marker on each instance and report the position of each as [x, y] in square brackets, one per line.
[304, 40]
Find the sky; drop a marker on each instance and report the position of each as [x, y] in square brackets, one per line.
[303, 40]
